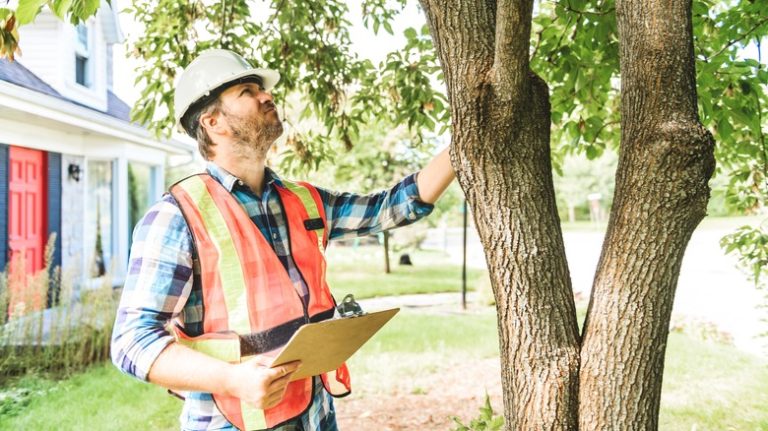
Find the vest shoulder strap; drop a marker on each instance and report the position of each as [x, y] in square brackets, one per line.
[172, 191]
[309, 197]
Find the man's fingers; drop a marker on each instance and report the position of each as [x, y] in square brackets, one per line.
[274, 398]
[285, 369]
[279, 383]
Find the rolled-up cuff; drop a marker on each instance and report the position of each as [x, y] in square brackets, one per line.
[416, 207]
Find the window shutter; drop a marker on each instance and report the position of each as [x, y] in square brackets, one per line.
[54, 218]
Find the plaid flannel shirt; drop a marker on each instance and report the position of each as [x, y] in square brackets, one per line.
[159, 286]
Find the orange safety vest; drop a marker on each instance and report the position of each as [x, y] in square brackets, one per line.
[251, 306]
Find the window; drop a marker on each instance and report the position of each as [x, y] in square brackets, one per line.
[140, 178]
[82, 56]
[98, 218]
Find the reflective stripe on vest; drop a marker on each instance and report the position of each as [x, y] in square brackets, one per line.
[250, 304]
[302, 190]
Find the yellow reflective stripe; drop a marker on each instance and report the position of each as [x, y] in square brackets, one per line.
[230, 270]
[253, 418]
[305, 196]
[225, 349]
[311, 206]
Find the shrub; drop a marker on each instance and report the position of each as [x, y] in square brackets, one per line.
[486, 421]
[69, 335]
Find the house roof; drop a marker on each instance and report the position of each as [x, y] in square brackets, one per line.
[14, 73]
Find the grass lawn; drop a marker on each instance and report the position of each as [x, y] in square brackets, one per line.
[360, 271]
[707, 386]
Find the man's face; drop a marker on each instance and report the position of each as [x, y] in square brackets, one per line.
[251, 115]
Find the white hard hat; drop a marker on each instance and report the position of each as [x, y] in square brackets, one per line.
[208, 75]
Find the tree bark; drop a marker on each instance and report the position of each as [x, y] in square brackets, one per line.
[665, 162]
[500, 150]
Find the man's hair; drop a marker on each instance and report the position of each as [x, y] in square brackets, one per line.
[204, 143]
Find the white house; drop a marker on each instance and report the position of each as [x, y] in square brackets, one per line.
[71, 161]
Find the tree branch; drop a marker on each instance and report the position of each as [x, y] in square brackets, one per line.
[223, 23]
[568, 7]
[600, 130]
[739, 39]
[560, 39]
[513, 34]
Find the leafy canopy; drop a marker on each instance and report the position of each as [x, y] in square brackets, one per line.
[332, 94]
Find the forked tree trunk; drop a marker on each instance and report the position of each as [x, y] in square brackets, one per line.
[500, 149]
[665, 162]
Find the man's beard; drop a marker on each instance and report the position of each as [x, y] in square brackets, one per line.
[253, 136]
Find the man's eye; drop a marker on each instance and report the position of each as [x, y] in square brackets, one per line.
[247, 90]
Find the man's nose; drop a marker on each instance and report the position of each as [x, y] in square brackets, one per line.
[265, 96]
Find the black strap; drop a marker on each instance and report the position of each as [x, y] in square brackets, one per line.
[274, 338]
[270, 339]
[314, 224]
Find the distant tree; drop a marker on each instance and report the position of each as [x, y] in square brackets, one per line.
[384, 155]
[581, 177]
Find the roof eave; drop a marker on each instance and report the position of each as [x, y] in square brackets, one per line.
[45, 106]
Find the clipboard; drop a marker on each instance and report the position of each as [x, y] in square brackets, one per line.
[324, 346]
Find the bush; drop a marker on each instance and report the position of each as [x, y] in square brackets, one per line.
[69, 335]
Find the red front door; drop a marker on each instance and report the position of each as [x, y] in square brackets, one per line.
[26, 219]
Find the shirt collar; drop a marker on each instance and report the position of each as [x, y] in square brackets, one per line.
[229, 181]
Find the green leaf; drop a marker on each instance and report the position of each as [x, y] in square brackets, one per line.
[592, 152]
[28, 10]
[61, 7]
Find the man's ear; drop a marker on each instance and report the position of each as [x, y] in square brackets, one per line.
[211, 123]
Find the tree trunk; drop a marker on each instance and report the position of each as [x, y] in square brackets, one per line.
[665, 162]
[500, 150]
[387, 269]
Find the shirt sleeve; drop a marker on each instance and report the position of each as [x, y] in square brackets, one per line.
[156, 288]
[350, 215]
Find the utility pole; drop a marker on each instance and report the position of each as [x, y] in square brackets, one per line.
[464, 263]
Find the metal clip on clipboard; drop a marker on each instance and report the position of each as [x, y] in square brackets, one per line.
[349, 307]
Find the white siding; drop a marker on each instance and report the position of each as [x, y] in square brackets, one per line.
[49, 51]
[72, 208]
[42, 47]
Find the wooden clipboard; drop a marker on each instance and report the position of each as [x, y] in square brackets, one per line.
[324, 346]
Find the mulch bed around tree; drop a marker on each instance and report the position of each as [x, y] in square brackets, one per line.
[427, 402]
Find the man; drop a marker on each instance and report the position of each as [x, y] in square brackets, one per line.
[234, 258]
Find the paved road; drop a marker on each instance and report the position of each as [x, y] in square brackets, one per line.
[711, 288]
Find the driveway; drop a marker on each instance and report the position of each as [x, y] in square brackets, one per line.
[711, 288]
